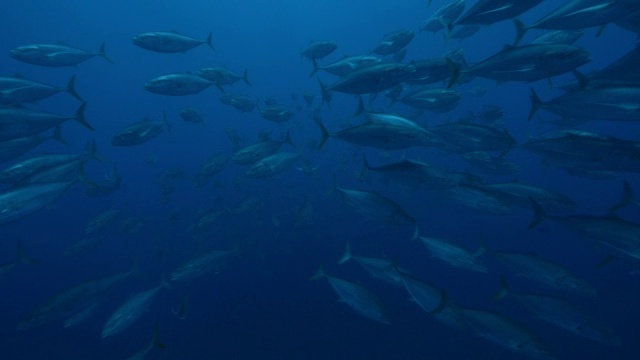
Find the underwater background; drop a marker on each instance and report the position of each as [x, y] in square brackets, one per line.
[257, 300]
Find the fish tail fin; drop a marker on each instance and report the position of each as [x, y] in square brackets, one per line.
[449, 31]
[326, 95]
[79, 116]
[155, 341]
[626, 199]
[360, 108]
[504, 289]
[365, 167]
[521, 29]
[315, 67]
[325, 133]
[209, 42]
[166, 121]
[287, 139]
[538, 214]
[103, 54]
[455, 72]
[92, 151]
[57, 135]
[536, 103]
[319, 273]
[245, 77]
[22, 256]
[416, 233]
[583, 80]
[347, 254]
[71, 88]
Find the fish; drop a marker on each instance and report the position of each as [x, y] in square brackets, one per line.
[460, 137]
[319, 49]
[566, 37]
[560, 313]
[277, 113]
[210, 168]
[430, 71]
[346, 65]
[434, 100]
[368, 80]
[505, 332]
[382, 131]
[580, 14]
[612, 103]
[140, 132]
[612, 231]
[379, 268]
[55, 55]
[81, 316]
[418, 174]
[627, 198]
[356, 297]
[80, 296]
[179, 84]
[444, 16]
[487, 12]
[169, 42]
[453, 254]
[14, 148]
[191, 116]
[483, 161]
[431, 299]
[202, 264]
[17, 203]
[102, 221]
[18, 90]
[622, 71]
[517, 193]
[476, 198]
[255, 152]
[377, 207]
[155, 343]
[241, 103]
[130, 311]
[545, 271]
[272, 165]
[394, 42]
[220, 75]
[525, 63]
[22, 122]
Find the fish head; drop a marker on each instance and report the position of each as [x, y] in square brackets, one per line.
[26, 52]
[145, 39]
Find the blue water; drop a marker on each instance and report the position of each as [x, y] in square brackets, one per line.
[261, 304]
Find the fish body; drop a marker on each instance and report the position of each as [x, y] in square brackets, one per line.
[169, 42]
[178, 84]
[55, 55]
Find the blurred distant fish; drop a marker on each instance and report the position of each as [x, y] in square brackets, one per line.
[254, 152]
[191, 116]
[81, 316]
[444, 16]
[220, 75]
[155, 343]
[241, 103]
[428, 297]
[179, 84]
[14, 148]
[272, 165]
[394, 42]
[434, 100]
[476, 198]
[453, 254]
[130, 311]
[210, 168]
[347, 65]
[140, 132]
[545, 271]
[487, 12]
[102, 221]
[55, 55]
[202, 264]
[558, 312]
[18, 90]
[169, 42]
[356, 297]
[505, 332]
[517, 193]
[462, 137]
[379, 268]
[319, 49]
[277, 113]
[559, 37]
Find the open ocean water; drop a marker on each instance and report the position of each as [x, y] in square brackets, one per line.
[137, 237]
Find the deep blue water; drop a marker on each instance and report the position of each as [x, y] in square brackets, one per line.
[261, 303]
